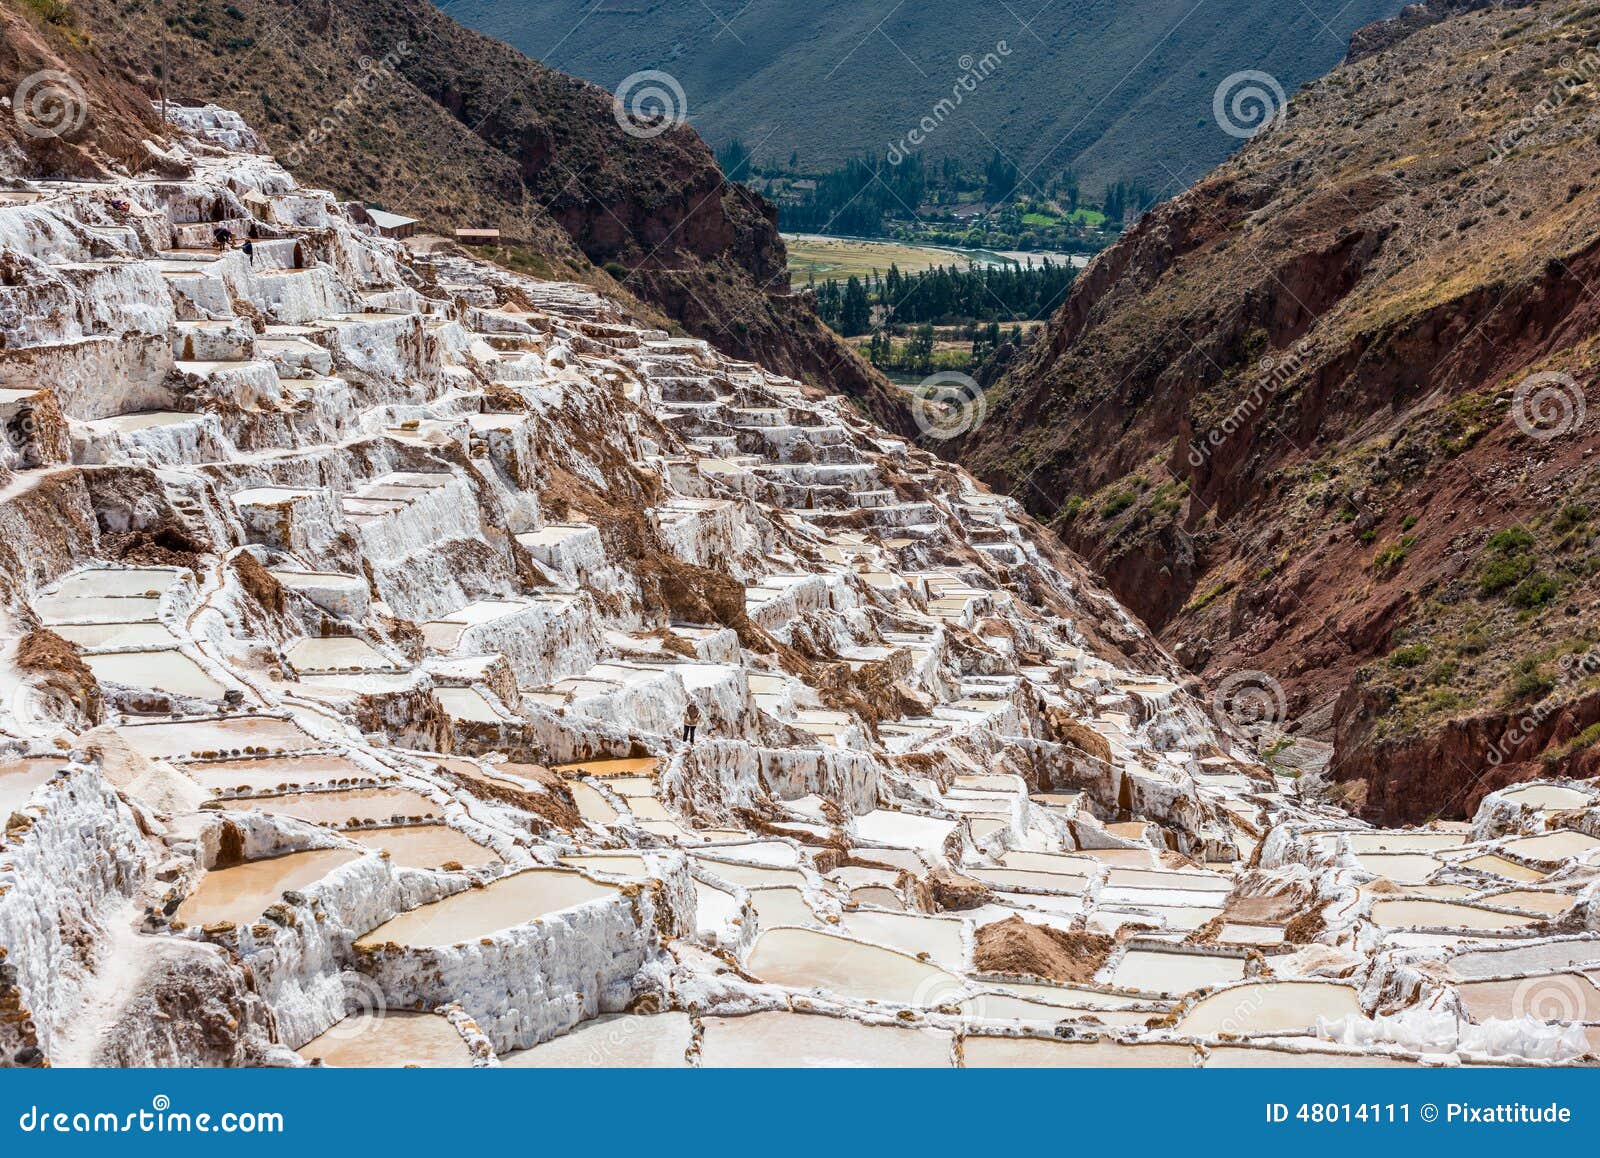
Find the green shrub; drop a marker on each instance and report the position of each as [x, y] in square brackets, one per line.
[1535, 591]
[1393, 555]
[1411, 655]
[1499, 573]
[1117, 503]
[1571, 517]
[1509, 541]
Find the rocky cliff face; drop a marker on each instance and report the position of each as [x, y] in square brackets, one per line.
[1329, 416]
[397, 105]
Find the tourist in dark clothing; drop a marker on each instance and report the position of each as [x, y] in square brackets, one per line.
[222, 237]
[249, 251]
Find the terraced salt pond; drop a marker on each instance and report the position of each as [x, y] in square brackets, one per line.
[243, 892]
[227, 736]
[1269, 1007]
[1404, 914]
[274, 772]
[167, 671]
[503, 904]
[339, 807]
[18, 779]
[1552, 846]
[1013, 1052]
[1157, 971]
[779, 1039]
[388, 1039]
[617, 1041]
[1547, 796]
[1553, 996]
[1517, 959]
[938, 940]
[426, 846]
[807, 959]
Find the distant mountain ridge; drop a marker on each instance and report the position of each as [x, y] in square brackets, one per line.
[1115, 89]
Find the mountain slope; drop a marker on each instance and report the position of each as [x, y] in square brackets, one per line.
[1328, 417]
[1113, 89]
[391, 102]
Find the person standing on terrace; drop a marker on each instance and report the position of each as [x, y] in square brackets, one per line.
[691, 721]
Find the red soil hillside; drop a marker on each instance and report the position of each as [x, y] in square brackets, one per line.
[1330, 415]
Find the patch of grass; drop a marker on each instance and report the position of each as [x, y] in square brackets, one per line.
[1571, 517]
[1410, 655]
[1531, 681]
[1117, 503]
[1210, 595]
[1535, 591]
[1507, 562]
[1587, 738]
[1393, 555]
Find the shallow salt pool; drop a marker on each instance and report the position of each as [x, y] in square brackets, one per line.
[225, 737]
[1547, 796]
[1404, 914]
[273, 772]
[593, 807]
[807, 959]
[243, 892]
[92, 636]
[1034, 1053]
[1551, 955]
[1153, 971]
[903, 829]
[1549, 846]
[343, 805]
[780, 1039]
[625, 1040]
[1500, 866]
[167, 670]
[1269, 1007]
[1547, 997]
[502, 904]
[425, 845]
[781, 906]
[391, 1038]
[914, 933]
[1404, 868]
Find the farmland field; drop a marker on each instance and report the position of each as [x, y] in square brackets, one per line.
[814, 256]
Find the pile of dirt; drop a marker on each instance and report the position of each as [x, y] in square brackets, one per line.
[1015, 946]
[58, 677]
[166, 547]
[554, 805]
[259, 583]
[945, 890]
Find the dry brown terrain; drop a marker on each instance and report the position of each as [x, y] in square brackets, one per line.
[1290, 415]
